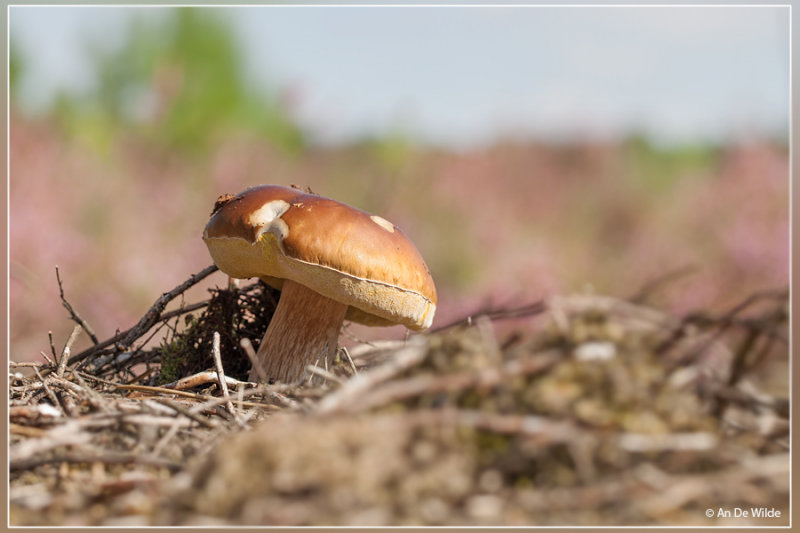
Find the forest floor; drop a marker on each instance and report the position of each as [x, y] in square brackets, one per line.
[591, 410]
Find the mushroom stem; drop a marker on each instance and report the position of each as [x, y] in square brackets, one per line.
[304, 330]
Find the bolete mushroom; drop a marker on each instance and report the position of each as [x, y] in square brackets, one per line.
[331, 262]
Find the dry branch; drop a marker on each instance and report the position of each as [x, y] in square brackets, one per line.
[494, 314]
[153, 315]
[402, 359]
[403, 389]
[72, 313]
[247, 346]
[204, 378]
[223, 385]
[62, 363]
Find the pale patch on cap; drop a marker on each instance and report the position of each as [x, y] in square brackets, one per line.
[267, 219]
[267, 213]
[382, 222]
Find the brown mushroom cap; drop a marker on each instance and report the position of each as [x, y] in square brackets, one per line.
[341, 252]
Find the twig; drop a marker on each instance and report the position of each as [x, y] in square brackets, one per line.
[722, 323]
[215, 351]
[545, 430]
[651, 286]
[310, 378]
[65, 384]
[168, 436]
[685, 488]
[177, 407]
[214, 401]
[52, 345]
[153, 315]
[202, 378]
[62, 363]
[247, 346]
[67, 434]
[404, 358]
[183, 310]
[496, 314]
[367, 349]
[330, 376]
[740, 363]
[168, 392]
[149, 420]
[430, 384]
[27, 431]
[115, 357]
[144, 388]
[25, 364]
[33, 412]
[50, 393]
[350, 360]
[74, 314]
[94, 397]
[51, 364]
[150, 370]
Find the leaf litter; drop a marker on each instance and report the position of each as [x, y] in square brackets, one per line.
[592, 411]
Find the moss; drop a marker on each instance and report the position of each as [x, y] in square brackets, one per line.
[236, 314]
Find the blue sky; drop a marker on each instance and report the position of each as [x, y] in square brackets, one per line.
[461, 76]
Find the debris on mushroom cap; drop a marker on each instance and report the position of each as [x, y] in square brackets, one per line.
[305, 189]
[221, 201]
[364, 261]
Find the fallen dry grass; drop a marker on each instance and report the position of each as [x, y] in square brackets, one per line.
[595, 411]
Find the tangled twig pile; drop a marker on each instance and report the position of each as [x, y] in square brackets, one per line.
[601, 411]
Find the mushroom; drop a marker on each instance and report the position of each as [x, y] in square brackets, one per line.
[331, 262]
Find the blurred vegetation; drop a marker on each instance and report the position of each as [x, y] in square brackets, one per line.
[15, 72]
[662, 165]
[177, 80]
[171, 120]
